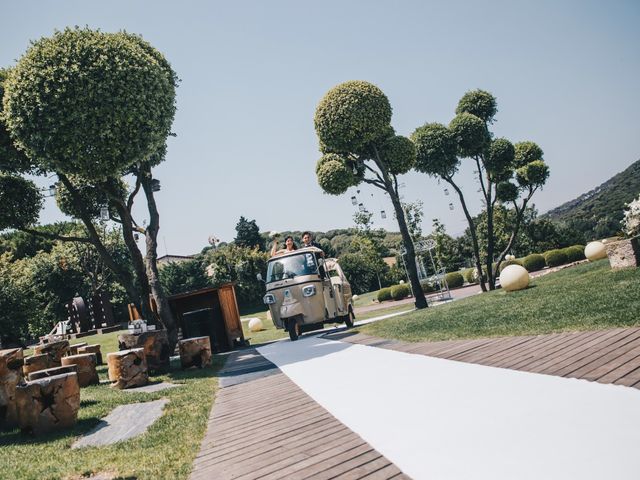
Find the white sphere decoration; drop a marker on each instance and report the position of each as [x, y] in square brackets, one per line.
[510, 257]
[514, 277]
[401, 282]
[355, 297]
[255, 325]
[595, 251]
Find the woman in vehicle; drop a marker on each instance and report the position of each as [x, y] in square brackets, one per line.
[289, 246]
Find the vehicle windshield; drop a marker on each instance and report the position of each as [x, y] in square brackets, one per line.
[291, 266]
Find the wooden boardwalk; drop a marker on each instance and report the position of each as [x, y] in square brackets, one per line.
[263, 426]
[605, 356]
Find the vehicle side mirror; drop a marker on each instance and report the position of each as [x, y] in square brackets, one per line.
[259, 277]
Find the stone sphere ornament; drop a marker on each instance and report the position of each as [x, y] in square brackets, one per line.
[255, 325]
[514, 277]
[595, 251]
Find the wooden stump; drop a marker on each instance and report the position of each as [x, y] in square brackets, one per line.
[10, 376]
[156, 348]
[127, 368]
[56, 350]
[195, 352]
[37, 362]
[48, 404]
[73, 349]
[51, 372]
[95, 348]
[86, 363]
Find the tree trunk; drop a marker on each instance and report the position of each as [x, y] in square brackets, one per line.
[123, 276]
[151, 259]
[418, 294]
[491, 280]
[472, 230]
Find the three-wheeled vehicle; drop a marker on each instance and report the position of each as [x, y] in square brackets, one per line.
[305, 291]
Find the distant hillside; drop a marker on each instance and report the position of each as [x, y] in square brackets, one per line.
[597, 213]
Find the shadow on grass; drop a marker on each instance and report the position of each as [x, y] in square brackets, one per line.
[16, 437]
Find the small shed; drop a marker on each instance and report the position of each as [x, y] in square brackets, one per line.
[211, 312]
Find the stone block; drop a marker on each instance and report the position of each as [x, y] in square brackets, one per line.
[37, 362]
[127, 368]
[156, 348]
[56, 350]
[51, 372]
[10, 376]
[195, 352]
[624, 253]
[95, 349]
[49, 403]
[86, 363]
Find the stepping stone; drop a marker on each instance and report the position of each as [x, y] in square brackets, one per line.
[155, 387]
[123, 423]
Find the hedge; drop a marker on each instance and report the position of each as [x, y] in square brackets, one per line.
[427, 287]
[574, 253]
[554, 258]
[506, 263]
[398, 292]
[533, 262]
[454, 279]
[384, 294]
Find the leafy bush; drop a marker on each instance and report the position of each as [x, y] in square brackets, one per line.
[470, 275]
[533, 262]
[398, 292]
[506, 263]
[555, 258]
[427, 287]
[454, 279]
[575, 253]
[384, 294]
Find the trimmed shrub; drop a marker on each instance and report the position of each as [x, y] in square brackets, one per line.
[555, 258]
[533, 262]
[398, 292]
[469, 275]
[384, 294]
[575, 253]
[506, 263]
[427, 287]
[454, 279]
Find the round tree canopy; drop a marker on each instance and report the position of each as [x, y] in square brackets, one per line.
[533, 174]
[334, 175]
[470, 133]
[398, 154]
[499, 159]
[90, 103]
[507, 192]
[351, 116]
[20, 202]
[92, 196]
[435, 150]
[527, 152]
[479, 103]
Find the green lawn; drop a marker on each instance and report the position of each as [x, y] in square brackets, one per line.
[585, 297]
[167, 450]
[271, 333]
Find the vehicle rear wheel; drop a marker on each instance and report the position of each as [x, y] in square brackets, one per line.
[294, 329]
[348, 320]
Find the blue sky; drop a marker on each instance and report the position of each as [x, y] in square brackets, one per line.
[565, 74]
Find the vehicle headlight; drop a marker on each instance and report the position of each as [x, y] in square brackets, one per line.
[309, 290]
[269, 299]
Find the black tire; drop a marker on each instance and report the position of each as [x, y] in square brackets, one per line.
[348, 319]
[294, 329]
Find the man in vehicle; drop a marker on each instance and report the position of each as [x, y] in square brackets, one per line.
[307, 241]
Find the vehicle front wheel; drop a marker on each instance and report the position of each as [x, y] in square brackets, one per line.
[348, 320]
[294, 329]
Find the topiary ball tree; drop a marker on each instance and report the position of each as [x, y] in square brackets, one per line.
[358, 143]
[479, 103]
[435, 150]
[351, 116]
[20, 202]
[471, 134]
[90, 103]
